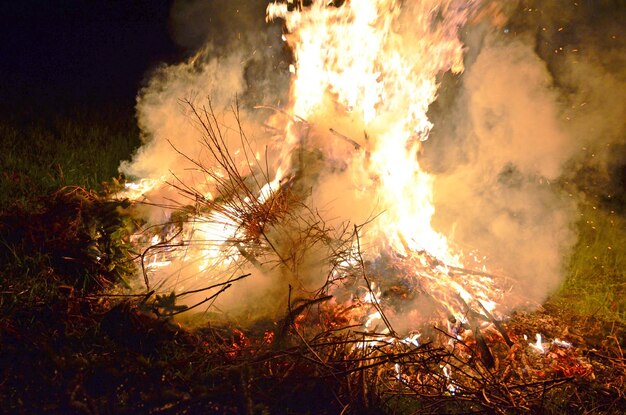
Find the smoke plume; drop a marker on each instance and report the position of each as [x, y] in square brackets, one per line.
[538, 104]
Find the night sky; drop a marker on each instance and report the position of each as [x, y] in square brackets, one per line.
[97, 52]
[70, 53]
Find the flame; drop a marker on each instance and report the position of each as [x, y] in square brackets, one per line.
[538, 344]
[354, 61]
[372, 66]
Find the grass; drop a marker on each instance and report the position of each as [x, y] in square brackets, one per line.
[595, 284]
[42, 154]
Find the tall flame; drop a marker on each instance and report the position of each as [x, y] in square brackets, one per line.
[368, 62]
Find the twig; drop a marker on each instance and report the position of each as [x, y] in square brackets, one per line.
[356, 145]
[224, 288]
[496, 323]
[213, 286]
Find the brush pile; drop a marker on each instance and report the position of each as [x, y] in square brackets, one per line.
[80, 235]
[338, 370]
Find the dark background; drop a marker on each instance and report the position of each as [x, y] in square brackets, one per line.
[96, 53]
[56, 55]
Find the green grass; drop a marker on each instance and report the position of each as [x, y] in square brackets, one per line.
[595, 284]
[41, 155]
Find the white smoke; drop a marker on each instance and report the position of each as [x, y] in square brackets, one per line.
[496, 194]
[517, 127]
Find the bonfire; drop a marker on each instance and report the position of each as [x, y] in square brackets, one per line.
[329, 216]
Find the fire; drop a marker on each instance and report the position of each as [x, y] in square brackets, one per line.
[364, 75]
[358, 63]
[336, 212]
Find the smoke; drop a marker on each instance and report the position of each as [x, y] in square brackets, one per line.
[236, 27]
[584, 49]
[225, 75]
[499, 200]
[236, 60]
[532, 108]
[195, 23]
[536, 109]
